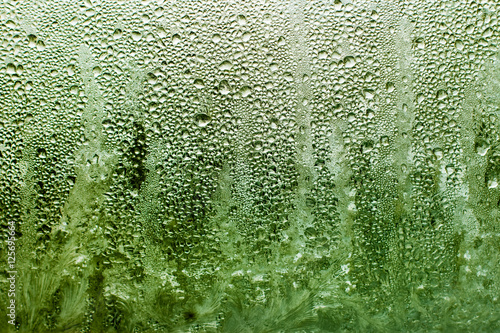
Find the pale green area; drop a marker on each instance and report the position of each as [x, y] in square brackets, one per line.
[251, 166]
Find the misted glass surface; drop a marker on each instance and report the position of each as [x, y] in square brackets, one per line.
[249, 166]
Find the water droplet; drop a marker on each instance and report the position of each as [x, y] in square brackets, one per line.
[450, 169]
[202, 119]
[97, 71]
[369, 94]
[482, 148]
[161, 32]
[40, 45]
[245, 91]
[71, 70]
[441, 94]
[11, 24]
[367, 147]
[349, 62]
[336, 56]
[151, 78]
[246, 36]
[487, 33]
[198, 83]
[136, 36]
[419, 43]
[159, 11]
[469, 29]
[438, 153]
[117, 34]
[216, 38]
[11, 68]
[225, 65]
[493, 183]
[176, 39]
[32, 40]
[241, 19]
[267, 18]
[224, 88]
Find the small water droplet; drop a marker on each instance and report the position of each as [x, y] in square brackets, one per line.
[202, 119]
[438, 153]
[419, 43]
[198, 83]
[11, 24]
[469, 29]
[32, 40]
[493, 183]
[216, 38]
[118, 33]
[369, 94]
[487, 33]
[245, 91]
[136, 36]
[40, 45]
[482, 148]
[267, 18]
[349, 62]
[246, 36]
[241, 19]
[390, 87]
[224, 88]
[11, 68]
[176, 39]
[225, 65]
[441, 94]
[97, 71]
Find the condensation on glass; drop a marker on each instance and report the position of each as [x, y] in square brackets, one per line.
[251, 166]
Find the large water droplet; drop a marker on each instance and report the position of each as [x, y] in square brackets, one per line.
[202, 119]
[225, 65]
[198, 83]
[349, 62]
[245, 91]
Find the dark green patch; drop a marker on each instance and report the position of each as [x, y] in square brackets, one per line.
[189, 315]
[136, 155]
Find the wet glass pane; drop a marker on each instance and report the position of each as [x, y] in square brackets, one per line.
[249, 166]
